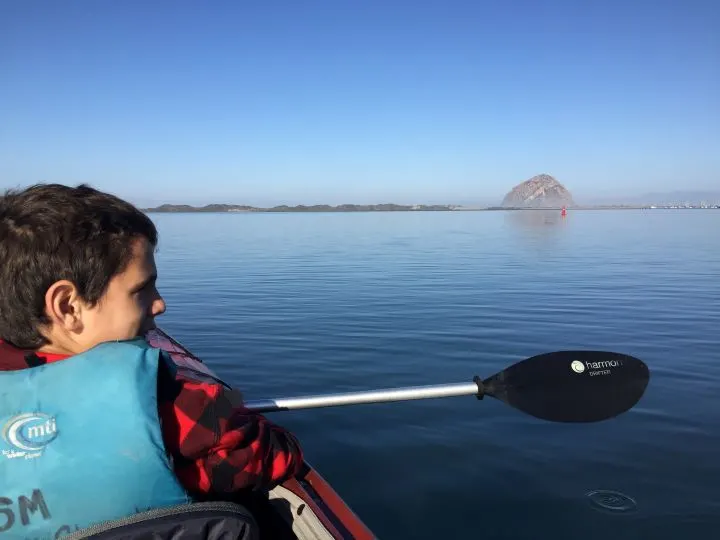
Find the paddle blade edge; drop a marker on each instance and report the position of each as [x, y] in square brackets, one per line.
[572, 386]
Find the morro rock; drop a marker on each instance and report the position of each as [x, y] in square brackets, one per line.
[541, 191]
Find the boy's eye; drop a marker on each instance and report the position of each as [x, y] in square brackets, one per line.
[146, 285]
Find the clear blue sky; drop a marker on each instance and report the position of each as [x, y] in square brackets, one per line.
[372, 101]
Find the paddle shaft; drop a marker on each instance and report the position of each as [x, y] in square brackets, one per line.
[372, 396]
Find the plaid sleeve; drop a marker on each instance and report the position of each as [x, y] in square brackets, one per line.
[218, 446]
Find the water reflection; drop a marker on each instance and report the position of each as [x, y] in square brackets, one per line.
[534, 219]
[538, 230]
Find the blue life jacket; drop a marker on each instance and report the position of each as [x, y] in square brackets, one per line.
[81, 442]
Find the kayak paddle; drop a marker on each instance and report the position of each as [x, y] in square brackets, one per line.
[562, 386]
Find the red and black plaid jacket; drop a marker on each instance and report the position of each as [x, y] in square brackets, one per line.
[218, 447]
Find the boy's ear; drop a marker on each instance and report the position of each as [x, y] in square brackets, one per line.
[63, 306]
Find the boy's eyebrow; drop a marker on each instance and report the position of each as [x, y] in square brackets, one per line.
[145, 283]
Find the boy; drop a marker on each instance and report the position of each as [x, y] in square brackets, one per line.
[79, 388]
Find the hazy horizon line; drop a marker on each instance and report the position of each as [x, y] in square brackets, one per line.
[678, 196]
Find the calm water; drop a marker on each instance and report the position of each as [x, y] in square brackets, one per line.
[290, 304]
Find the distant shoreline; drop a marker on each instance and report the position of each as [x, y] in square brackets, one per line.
[347, 208]
[184, 208]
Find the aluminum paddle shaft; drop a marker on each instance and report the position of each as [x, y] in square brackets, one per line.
[561, 386]
[372, 396]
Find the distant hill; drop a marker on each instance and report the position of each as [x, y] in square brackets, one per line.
[679, 197]
[206, 208]
[541, 191]
[169, 208]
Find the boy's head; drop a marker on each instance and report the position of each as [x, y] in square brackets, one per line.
[77, 268]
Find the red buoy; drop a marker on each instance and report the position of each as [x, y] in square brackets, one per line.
[563, 212]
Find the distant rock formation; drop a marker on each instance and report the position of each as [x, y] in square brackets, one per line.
[541, 191]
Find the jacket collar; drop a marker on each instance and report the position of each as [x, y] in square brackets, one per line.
[14, 359]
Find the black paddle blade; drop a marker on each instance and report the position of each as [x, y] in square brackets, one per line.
[571, 386]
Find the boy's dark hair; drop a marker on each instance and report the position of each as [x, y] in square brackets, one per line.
[50, 232]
